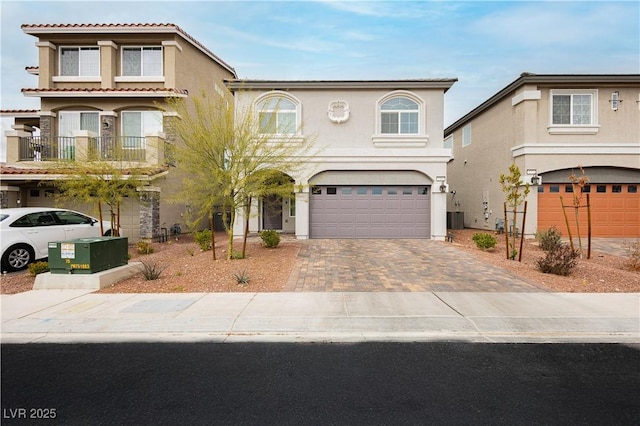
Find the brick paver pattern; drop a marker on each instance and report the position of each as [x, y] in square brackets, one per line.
[396, 265]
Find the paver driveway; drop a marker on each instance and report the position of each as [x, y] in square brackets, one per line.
[396, 265]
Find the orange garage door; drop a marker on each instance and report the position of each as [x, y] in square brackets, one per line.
[615, 209]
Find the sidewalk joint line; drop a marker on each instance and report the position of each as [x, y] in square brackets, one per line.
[235, 320]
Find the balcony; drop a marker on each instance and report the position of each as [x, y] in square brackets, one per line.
[140, 151]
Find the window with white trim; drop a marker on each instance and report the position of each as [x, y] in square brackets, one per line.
[79, 61]
[142, 61]
[277, 115]
[573, 107]
[399, 115]
[466, 135]
[136, 124]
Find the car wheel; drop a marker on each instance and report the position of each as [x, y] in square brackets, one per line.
[107, 234]
[17, 257]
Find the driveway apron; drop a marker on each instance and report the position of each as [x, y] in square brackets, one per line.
[396, 265]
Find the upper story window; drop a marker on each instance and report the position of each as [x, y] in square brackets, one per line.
[466, 135]
[142, 61]
[574, 111]
[277, 115]
[399, 115]
[79, 61]
[448, 142]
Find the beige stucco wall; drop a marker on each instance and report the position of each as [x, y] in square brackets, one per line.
[351, 145]
[506, 133]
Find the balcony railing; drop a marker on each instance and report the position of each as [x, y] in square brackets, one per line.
[123, 148]
[39, 148]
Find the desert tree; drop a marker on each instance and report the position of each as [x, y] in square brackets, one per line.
[227, 159]
[515, 193]
[99, 181]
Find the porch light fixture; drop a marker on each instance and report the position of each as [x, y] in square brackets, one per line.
[535, 179]
[443, 187]
[615, 100]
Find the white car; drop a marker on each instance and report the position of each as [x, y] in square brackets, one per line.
[25, 233]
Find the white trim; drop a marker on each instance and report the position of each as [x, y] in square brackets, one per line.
[47, 114]
[139, 79]
[46, 44]
[573, 130]
[400, 141]
[422, 113]
[527, 95]
[108, 43]
[76, 79]
[279, 94]
[572, 149]
[594, 106]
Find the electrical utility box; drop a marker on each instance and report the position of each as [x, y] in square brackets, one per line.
[88, 255]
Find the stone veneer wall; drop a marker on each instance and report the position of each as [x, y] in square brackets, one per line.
[149, 213]
[46, 126]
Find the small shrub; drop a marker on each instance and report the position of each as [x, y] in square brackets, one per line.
[144, 247]
[484, 241]
[203, 239]
[241, 277]
[191, 252]
[38, 268]
[152, 271]
[549, 239]
[237, 255]
[559, 261]
[270, 238]
[633, 252]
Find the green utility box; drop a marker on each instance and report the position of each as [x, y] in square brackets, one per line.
[88, 255]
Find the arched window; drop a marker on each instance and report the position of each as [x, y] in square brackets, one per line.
[277, 115]
[399, 116]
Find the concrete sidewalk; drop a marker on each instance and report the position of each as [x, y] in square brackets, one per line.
[66, 316]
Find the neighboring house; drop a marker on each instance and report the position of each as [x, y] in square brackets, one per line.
[379, 161]
[101, 88]
[550, 126]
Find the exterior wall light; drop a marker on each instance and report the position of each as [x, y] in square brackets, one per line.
[615, 100]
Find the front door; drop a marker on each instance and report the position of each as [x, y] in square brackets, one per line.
[272, 212]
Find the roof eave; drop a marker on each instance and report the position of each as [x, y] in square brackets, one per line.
[243, 84]
[544, 79]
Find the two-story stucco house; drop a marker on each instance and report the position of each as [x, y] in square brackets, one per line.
[380, 166]
[550, 126]
[101, 88]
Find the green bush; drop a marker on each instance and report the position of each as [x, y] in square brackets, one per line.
[484, 241]
[270, 238]
[203, 239]
[549, 239]
[559, 261]
[144, 247]
[38, 268]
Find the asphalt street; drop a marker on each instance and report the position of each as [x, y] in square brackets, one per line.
[443, 383]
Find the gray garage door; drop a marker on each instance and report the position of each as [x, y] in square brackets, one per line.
[370, 212]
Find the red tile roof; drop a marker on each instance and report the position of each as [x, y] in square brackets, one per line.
[34, 29]
[11, 170]
[112, 90]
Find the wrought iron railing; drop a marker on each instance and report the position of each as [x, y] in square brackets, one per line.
[121, 148]
[40, 148]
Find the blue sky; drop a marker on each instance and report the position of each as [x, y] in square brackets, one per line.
[485, 44]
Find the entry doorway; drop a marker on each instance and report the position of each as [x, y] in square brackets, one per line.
[272, 212]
